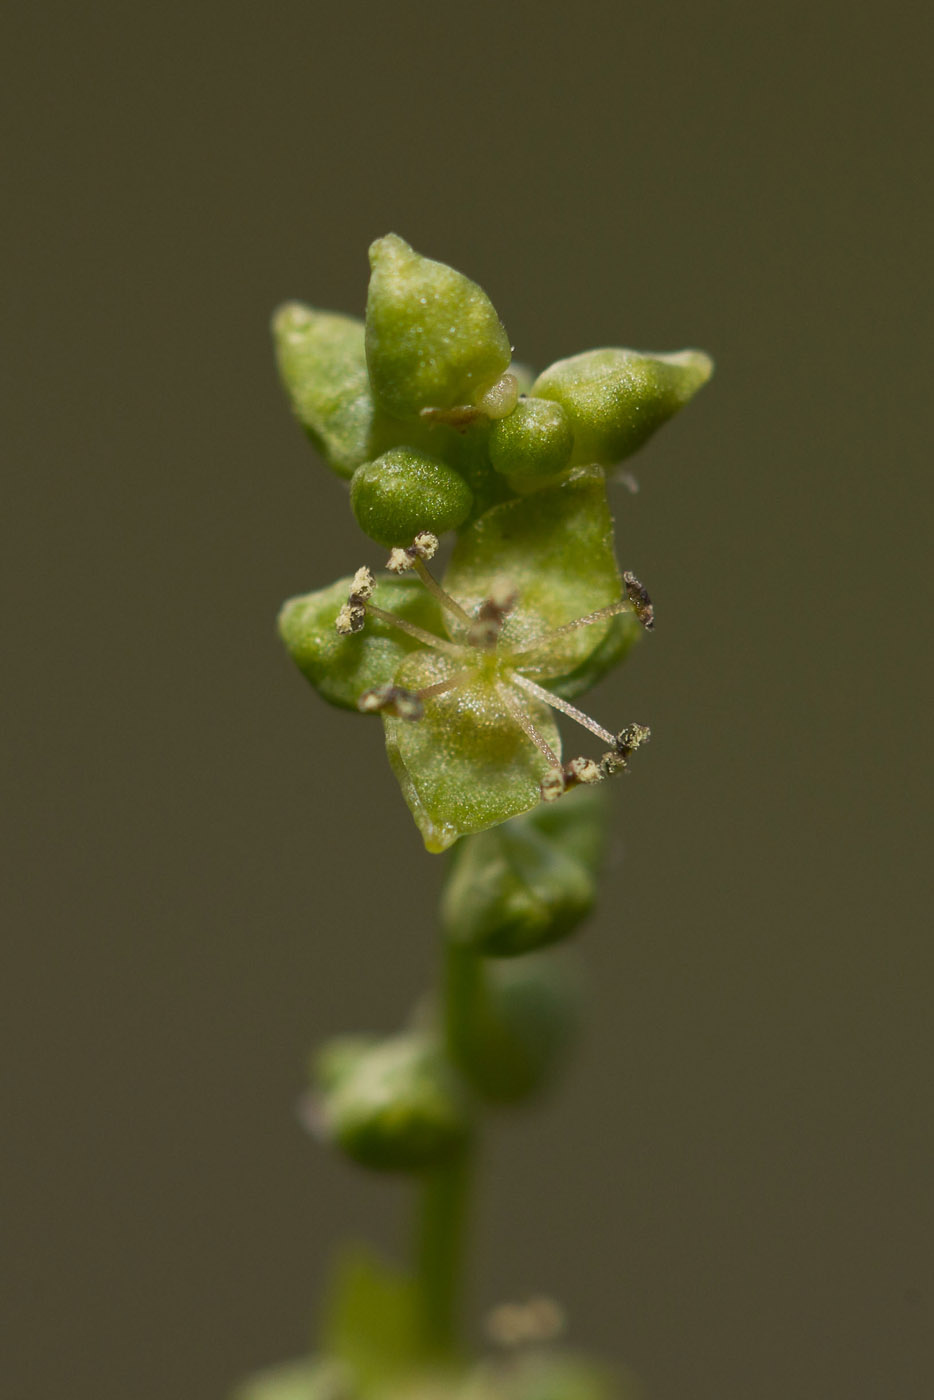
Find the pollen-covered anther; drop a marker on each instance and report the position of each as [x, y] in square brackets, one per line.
[553, 785]
[399, 560]
[492, 613]
[351, 618]
[626, 743]
[391, 700]
[638, 596]
[423, 547]
[632, 738]
[361, 587]
[581, 770]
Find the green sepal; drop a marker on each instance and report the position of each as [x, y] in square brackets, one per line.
[322, 363]
[556, 549]
[466, 765]
[521, 1023]
[396, 1105]
[433, 338]
[528, 884]
[534, 441]
[403, 492]
[615, 399]
[371, 1324]
[341, 668]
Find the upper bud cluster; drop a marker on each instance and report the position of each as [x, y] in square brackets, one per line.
[421, 408]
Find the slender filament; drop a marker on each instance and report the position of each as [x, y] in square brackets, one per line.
[523, 721]
[435, 589]
[600, 615]
[419, 633]
[566, 708]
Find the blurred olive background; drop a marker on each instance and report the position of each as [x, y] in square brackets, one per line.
[210, 871]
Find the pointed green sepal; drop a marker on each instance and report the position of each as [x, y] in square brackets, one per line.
[395, 1105]
[616, 399]
[466, 764]
[555, 548]
[529, 883]
[341, 667]
[322, 363]
[404, 492]
[433, 338]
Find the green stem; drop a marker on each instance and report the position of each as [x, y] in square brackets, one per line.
[444, 1196]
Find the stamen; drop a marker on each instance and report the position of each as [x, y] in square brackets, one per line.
[523, 721]
[351, 618]
[566, 708]
[404, 704]
[361, 587]
[491, 614]
[581, 770]
[435, 589]
[419, 633]
[600, 615]
[440, 687]
[624, 746]
[641, 602]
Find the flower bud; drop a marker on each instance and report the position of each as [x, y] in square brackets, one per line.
[404, 492]
[517, 887]
[322, 363]
[525, 1015]
[615, 399]
[433, 338]
[534, 441]
[395, 1105]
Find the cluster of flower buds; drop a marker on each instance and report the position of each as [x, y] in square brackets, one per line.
[423, 409]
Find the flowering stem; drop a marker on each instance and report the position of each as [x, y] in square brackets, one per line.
[445, 1190]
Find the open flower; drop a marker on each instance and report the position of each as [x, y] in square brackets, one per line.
[422, 410]
[470, 674]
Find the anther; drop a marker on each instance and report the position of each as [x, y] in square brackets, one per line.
[639, 598]
[361, 587]
[581, 770]
[351, 617]
[632, 738]
[627, 741]
[491, 614]
[553, 784]
[424, 546]
[391, 700]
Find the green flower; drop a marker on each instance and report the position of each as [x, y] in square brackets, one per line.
[468, 674]
[421, 408]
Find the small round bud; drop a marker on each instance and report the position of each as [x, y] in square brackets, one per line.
[404, 493]
[395, 1105]
[501, 398]
[616, 399]
[528, 883]
[534, 441]
[526, 1014]
[433, 338]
